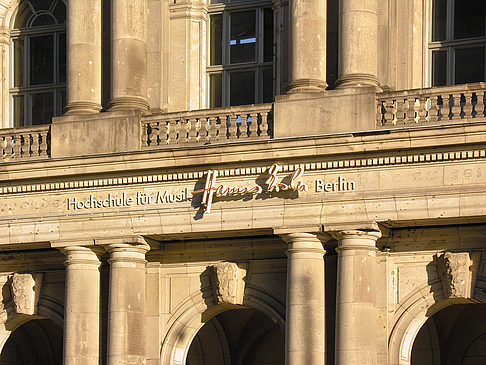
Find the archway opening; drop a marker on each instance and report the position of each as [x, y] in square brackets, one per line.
[38, 341]
[455, 335]
[238, 337]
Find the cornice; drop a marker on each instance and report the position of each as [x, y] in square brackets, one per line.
[318, 153]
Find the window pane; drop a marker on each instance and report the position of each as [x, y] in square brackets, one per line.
[242, 88]
[60, 102]
[42, 108]
[216, 39]
[18, 110]
[60, 12]
[41, 4]
[215, 91]
[469, 65]
[18, 50]
[41, 60]
[268, 35]
[267, 76]
[243, 36]
[43, 19]
[469, 18]
[62, 58]
[439, 68]
[439, 11]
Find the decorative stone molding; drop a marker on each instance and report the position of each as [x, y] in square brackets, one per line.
[25, 290]
[405, 159]
[227, 279]
[453, 270]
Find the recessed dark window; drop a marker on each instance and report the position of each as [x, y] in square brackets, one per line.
[38, 87]
[241, 53]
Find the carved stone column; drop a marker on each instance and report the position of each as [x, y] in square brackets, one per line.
[83, 56]
[82, 306]
[355, 298]
[307, 45]
[129, 55]
[358, 43]
[305, 321]
[126, 304]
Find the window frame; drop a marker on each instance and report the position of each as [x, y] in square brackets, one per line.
[225, 8]
[57, 88]
[450, 45]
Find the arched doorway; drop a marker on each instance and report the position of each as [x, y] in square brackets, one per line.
[238, 337]
[456, 335]
[37, 341]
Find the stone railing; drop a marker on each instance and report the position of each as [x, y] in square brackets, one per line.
[240, 123]
[448, 104]
[25, 143]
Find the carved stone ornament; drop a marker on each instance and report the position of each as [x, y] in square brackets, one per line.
[453, 269]
[228, 283]
[25, 289]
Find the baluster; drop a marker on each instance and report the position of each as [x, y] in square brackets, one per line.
[422, 109]
[264, 124]
[481, 101]
[253, 126]
[7, 148]
[212, 128]
[456, 107]
[244, 126]
[410, 111]
[379, 113]
[45, 145]
[401, 108]
[173, 132]
[390, 113]
[232, 128]
[17, 147]
[433, 108]
[164, 132]
[146, 134]
[185, 129]
[193, 129]
[35, 144]
[468, 105]
[445, 109]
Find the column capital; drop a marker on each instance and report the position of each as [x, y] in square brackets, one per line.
[125, 249]
[83, 255]
[355, 239]
[305, 242]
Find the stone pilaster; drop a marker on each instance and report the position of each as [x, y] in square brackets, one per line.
[305, 320]
[307, 45]
[358, 43]
[126, 304]
[356, 328]
[129, 55]
[4, 77]
[84, 57]
[82, 306]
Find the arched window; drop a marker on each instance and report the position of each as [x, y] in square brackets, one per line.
[38, 83]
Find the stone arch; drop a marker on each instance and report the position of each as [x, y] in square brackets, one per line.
[415, 311]
[195, 311]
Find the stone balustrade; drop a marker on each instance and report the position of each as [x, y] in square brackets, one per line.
[437, 105]
[25, 143]
[201, 127]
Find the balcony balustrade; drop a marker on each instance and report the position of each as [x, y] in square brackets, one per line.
[18, 144]
[437, 105]
[200, 127]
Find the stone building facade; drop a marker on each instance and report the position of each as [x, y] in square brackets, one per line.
[243, 182]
